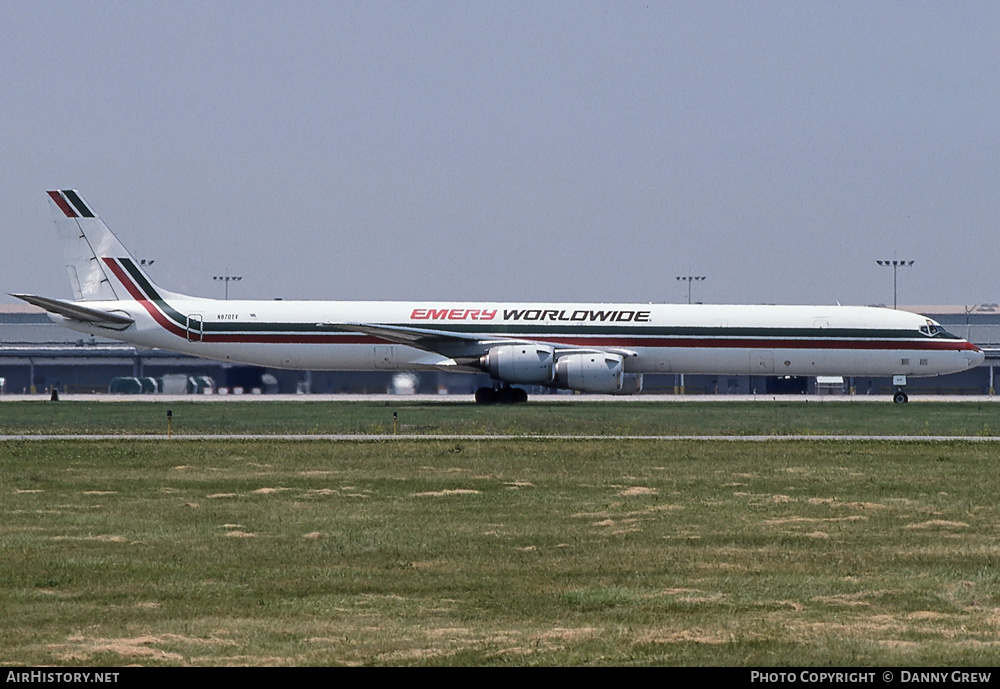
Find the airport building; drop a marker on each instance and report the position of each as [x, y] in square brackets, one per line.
[37, 356]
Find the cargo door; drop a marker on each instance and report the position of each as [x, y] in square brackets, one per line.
[195, 327]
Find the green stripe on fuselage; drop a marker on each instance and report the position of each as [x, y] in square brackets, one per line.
[536, 329]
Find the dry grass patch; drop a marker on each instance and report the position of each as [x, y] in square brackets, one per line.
[637, 490]
[82, 649]
[938, 524]
[813, 520]
[683, 636]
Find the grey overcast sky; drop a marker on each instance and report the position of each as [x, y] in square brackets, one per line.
[543, 151]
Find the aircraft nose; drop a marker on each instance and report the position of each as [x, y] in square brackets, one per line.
[975, 356]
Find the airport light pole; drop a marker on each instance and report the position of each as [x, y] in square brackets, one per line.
[226, 279]
[895, 265]
[689, 279]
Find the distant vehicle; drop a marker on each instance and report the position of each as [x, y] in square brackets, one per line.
[594, 348]
[403, 384]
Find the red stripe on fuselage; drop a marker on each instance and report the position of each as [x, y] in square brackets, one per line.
[326, 338]
[63, 206]
[603, 343]
[742, 343]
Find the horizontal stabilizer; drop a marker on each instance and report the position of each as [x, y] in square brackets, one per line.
[76, 312]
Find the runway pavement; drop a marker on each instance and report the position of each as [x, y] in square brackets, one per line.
[533, 399]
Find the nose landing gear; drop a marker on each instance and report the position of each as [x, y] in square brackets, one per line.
[898, 396]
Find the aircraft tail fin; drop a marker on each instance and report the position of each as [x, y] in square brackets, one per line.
[100, 267]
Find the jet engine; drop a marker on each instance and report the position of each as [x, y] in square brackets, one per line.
[591, 372]
[528, 363]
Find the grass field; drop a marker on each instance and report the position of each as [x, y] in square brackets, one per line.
[499, 552]
[537, 418]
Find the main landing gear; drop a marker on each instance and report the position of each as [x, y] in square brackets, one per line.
[504, 394]
[898, 396]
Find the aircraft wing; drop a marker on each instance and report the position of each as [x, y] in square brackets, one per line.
[457, 345]
[76, 312]
[450, 344]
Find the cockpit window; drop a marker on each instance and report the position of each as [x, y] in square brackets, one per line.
[935, 330]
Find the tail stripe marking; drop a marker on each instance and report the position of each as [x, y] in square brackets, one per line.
[78, 203]
[146, 288]
[141, 298]
[63, 206]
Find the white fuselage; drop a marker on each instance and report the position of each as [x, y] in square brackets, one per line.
[657, 338]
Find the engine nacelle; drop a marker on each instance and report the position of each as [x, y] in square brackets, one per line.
[591, 372]
[516, 363]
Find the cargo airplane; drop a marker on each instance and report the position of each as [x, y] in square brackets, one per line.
[595, 348]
